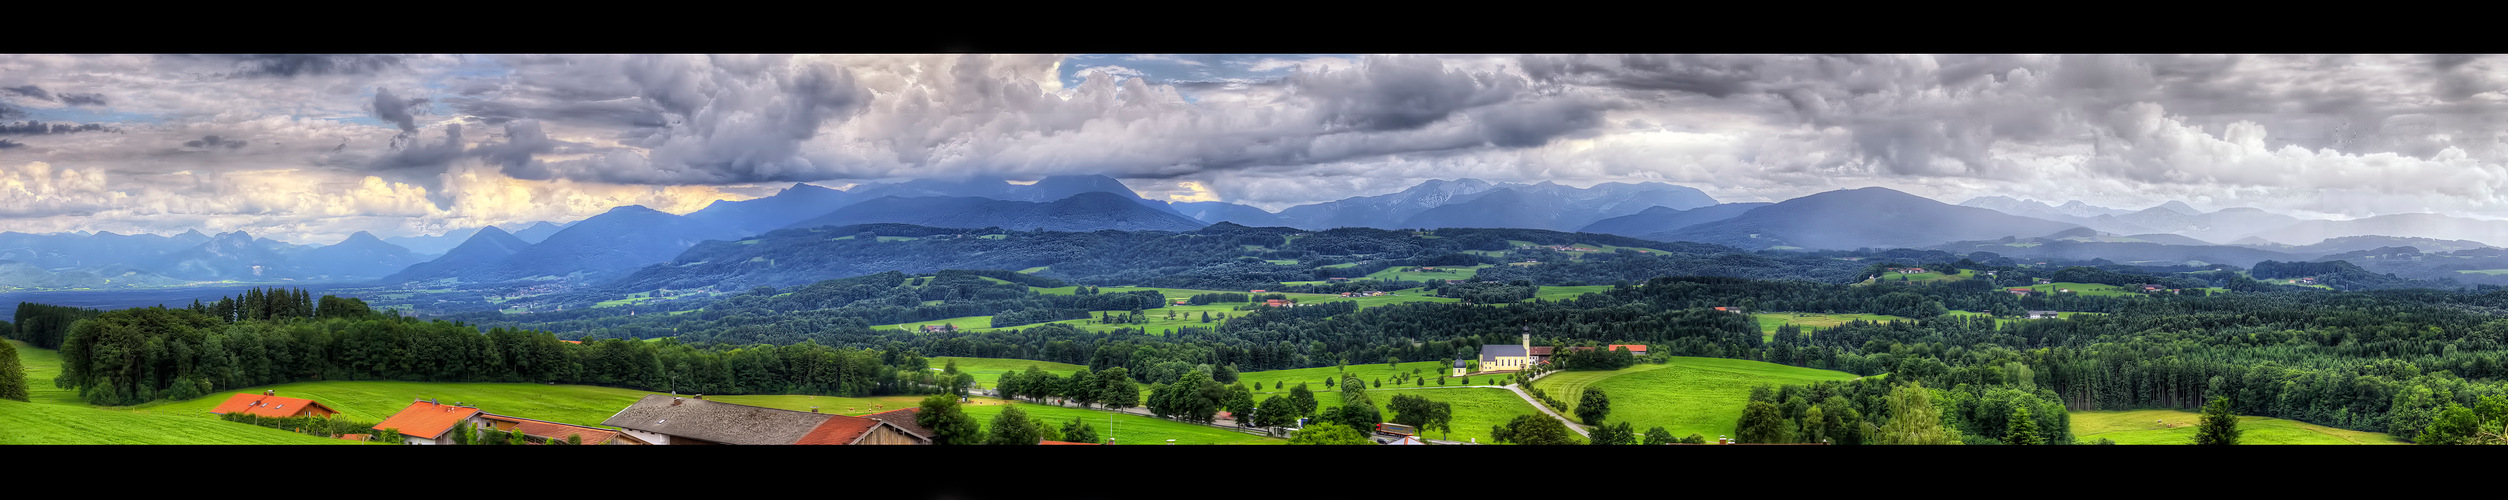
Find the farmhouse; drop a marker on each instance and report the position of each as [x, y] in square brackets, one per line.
[1507, 358]
[2042, 315]
[270, 404]
[2021, 292]
[1541, 353]
[543, 431]
[675, 420]
[903, 418]
[1276, 303]
[428, 422]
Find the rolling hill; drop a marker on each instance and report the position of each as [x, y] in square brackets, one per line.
[1856, 218]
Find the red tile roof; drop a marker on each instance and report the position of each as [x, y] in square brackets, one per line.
[573, 341]
[1630, 347]
[426, 419]
[1543, 350]
[271, 406]
[839, 429]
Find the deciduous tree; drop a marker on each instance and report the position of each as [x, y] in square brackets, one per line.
[1594, 406]
[949, 424]
[1532, 429]
[1329, 433]
[1012, 427]
[12, 375]
[1914, 420]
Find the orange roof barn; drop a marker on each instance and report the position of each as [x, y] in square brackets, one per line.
[270, 404]
[427, 419]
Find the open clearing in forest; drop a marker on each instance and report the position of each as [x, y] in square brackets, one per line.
[2179, 427]
[1769, 321]
[1686, 396]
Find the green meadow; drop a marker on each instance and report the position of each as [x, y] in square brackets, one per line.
[1769, 321]
[1687, 396]
[1129, 428]
[2178, 427]
[1556, 293]
[1371, 372]
[1442, 273]
[2085, 289]
[989, 370]
[374, 401]
[1476, 409]
[40, 423]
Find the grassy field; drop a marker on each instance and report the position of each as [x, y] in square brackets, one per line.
[1442, 273]
[1475, 409]
[1926, 276]
[55, 416]
[2144, 427]
[37, 423]
[1689, 395]
[1769, 321]
[989, 370]
[1129, 428]
[42, 366]
[373, 401]
[2085, 289]
[1314, 377]
[1554, 293]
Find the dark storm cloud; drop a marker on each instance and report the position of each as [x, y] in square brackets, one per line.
[41, 128]
[292, 65]
[425, 156]
[1708, 75]
[7, 112]
[9, 144]
[1535, 123]
[397, 111]
[605, 113]
[214, 142]
[1400, 92]
[38, 93]
[522, 140]
[29, 91]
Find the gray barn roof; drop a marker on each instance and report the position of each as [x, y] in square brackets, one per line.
[718, 422]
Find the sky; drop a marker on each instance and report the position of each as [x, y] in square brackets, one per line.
[311, 148]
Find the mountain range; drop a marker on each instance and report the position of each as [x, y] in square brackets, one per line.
[627, 238]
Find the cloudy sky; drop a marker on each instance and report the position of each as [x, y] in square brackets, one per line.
[308, 149]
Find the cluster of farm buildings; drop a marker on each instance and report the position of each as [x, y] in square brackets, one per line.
[656, 419]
